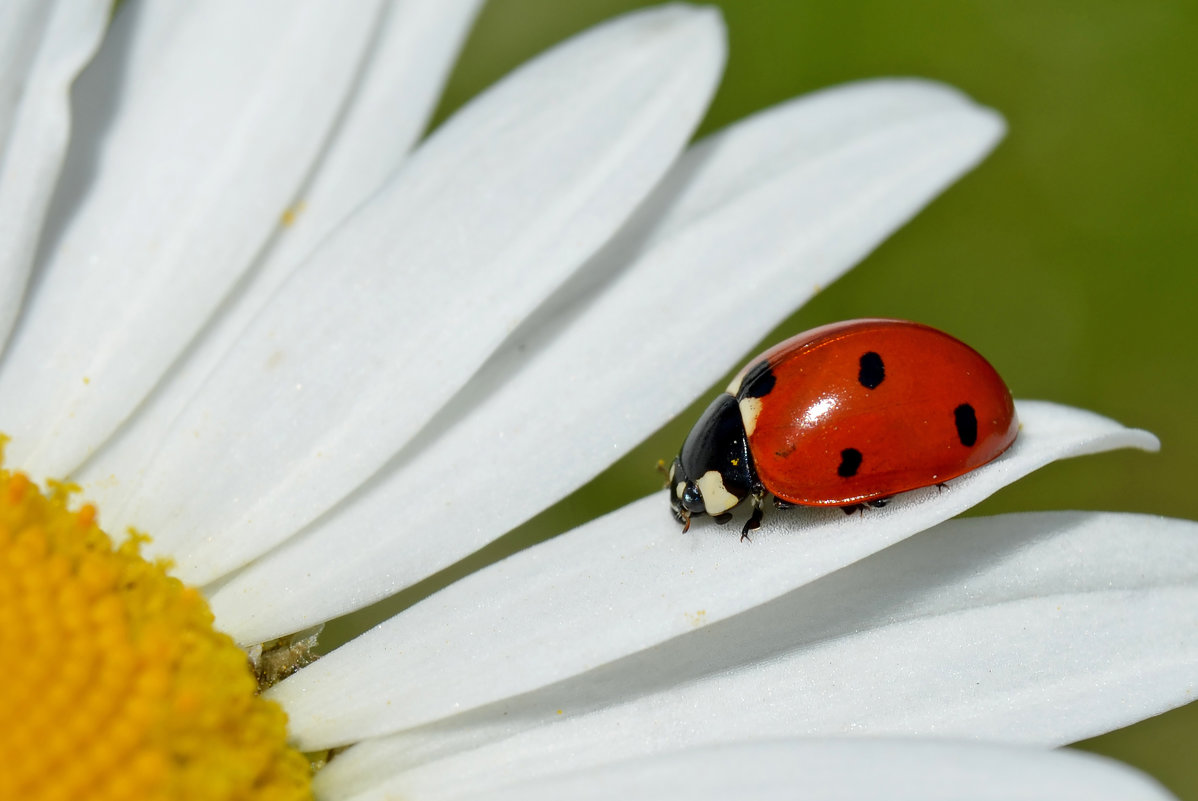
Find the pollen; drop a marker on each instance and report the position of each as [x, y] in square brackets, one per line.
[113, 682]
[291, 214]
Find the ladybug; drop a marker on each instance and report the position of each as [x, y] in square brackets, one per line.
[848, 415]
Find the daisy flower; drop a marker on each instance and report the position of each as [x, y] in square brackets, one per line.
[317, 364]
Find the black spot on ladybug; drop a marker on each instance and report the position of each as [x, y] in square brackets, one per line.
[872, 372]
[850, 460]
[759, 381]
[967, 425]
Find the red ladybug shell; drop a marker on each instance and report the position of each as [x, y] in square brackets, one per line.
[864, 409]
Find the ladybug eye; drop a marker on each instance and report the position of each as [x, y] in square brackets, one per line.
[692, 498]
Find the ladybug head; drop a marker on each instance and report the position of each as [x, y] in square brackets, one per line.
[685, 497]
[714, 471]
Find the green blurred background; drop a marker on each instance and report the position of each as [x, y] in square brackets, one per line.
[1065, 258]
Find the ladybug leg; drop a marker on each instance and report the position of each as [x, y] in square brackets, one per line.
[754, 521]
[876, 503]
[781, 504]
[722, 519]
[941, 486]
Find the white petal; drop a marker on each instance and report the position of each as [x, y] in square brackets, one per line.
[386, 114]
[207, 145]
[622, 584]
[396, 310]
[1035, 629]
[43, 46]
[417, 45]
[840, 770]
[788, 200]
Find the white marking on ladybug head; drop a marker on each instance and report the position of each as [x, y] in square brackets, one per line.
[750, 410]
[716, 497]
[680, 488]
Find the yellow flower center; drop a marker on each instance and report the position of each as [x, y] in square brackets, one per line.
[113, 683]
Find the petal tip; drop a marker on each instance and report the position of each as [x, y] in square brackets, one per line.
[1144, 440]
[703, 25]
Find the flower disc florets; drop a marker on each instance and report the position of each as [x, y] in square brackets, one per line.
[115, 684]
